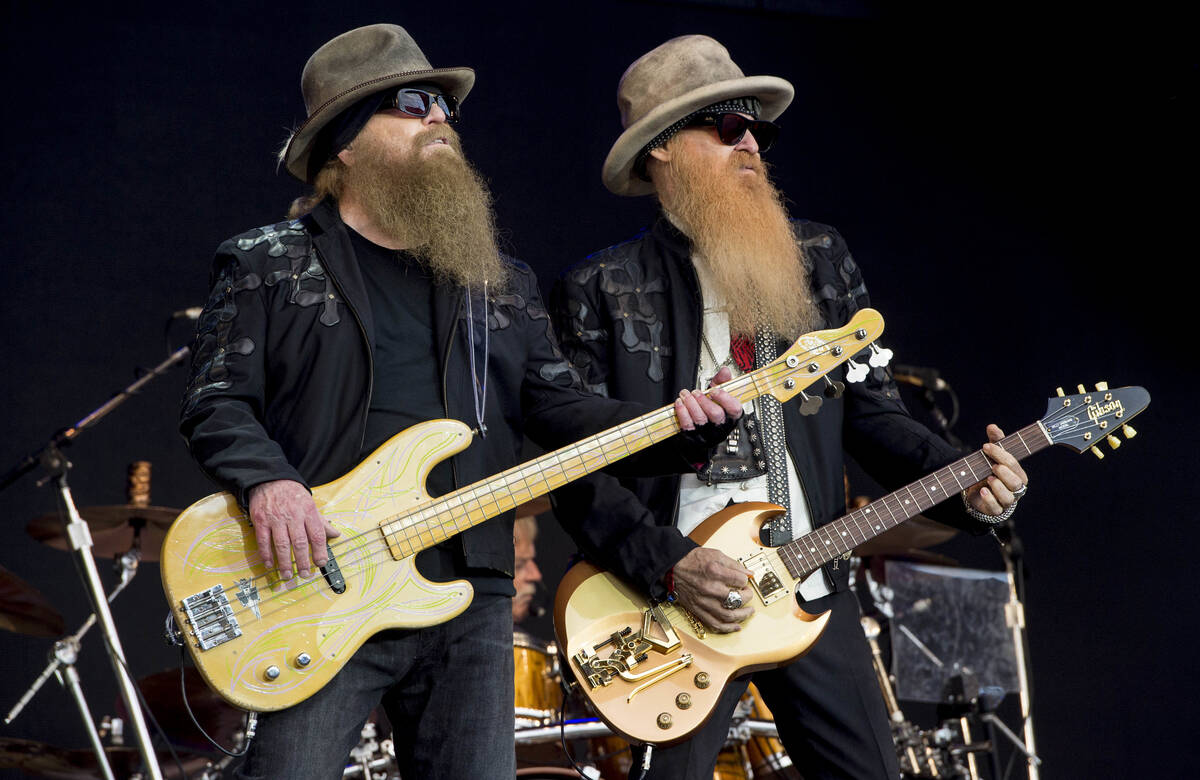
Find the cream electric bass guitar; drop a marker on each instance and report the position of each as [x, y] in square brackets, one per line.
[264, 645]
[654, 674]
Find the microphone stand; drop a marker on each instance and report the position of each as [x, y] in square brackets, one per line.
[1012, 551]
[51, 459]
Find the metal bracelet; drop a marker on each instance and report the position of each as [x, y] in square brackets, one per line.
[988, 519]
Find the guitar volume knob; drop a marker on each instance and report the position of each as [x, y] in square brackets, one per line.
[702, 680]
[683, 700]
[664, 720]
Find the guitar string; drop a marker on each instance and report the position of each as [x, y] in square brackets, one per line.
[371, 555]
[666, 421]
[1048, 419]
[463, 496]
[812, 559]
[365, 561]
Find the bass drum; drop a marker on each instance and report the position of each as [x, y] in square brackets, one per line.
[767, 757]
[537, 681]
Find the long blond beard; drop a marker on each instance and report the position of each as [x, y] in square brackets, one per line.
[738, 225]
[436, 205]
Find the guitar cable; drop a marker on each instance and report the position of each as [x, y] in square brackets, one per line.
[251, 717]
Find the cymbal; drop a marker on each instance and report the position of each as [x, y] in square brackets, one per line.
[113, 529]
[42, 760]
[221, 720]
[24, 610]
[906, 537]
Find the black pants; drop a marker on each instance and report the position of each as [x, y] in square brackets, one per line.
[827, 706]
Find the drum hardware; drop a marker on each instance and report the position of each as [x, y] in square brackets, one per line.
[62, 667]
[373, 759]
[49, 458]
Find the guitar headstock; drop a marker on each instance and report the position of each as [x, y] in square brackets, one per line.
[815, 354]
[1083, 420]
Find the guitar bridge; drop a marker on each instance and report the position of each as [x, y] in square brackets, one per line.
[629, 651]
[211, 618]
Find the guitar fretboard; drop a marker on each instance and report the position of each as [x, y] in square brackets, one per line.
[805, 555]
[437, 521]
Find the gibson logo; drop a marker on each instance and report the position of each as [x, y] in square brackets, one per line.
[1096, 411]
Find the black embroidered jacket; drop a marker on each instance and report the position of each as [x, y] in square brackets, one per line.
[629, 319]
[282, 365]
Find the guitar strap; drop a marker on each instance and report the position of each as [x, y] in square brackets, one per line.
[770, 415]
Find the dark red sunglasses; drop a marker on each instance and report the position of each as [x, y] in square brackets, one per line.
[419, 102]
[731, 128]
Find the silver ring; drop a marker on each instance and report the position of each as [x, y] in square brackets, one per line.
[1021, 490]
[733, 600]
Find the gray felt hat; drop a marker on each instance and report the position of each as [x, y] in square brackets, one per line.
[663, 86]
[352, 66]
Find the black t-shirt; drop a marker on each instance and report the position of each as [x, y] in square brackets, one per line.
[407, 389]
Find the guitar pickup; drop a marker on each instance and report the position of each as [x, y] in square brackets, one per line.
[763, 578]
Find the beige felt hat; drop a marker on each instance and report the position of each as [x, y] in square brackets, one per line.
[671, 81]
[352, 66]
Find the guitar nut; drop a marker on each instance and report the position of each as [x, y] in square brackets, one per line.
[702, 680]
[664, 720]
[683, 700]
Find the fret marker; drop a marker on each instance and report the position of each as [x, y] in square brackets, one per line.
[962, 473]
[812, 549]
[876, 528]
[867, 511]
[843, 533]
[907, 501]
[933, 489]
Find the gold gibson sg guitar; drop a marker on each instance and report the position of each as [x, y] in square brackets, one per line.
[654, 674]
[263, 644]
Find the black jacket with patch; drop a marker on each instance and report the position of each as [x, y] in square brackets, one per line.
[282, 364]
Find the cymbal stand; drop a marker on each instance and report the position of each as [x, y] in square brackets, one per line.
[51, 460]
[66, 650]
[1012, 552]
[81, 541]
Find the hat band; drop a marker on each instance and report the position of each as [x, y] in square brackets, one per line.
[748, 105]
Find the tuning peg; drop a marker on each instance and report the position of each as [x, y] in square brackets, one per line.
[1082, 389]
[879, 357]
[1096, 451]
[833, 389]
[1113, 441]
[810, 405]
[856, 372]
[1102, 385]
[1060, 392]
[1128, 430]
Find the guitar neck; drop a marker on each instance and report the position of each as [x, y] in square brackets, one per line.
[441, 519]
[805, 555]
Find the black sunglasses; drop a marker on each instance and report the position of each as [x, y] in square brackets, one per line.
[419, 102]
[731, 128]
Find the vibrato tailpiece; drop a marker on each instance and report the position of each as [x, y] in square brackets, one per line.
[631, 650]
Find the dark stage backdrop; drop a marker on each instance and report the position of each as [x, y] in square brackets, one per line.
[1014, 184]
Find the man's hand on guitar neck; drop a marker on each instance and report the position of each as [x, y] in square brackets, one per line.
[286, 523]
[703, 579]
[994, 495]
[694, 408]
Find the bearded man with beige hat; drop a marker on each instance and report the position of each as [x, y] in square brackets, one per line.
[723, 280]
[380, 303]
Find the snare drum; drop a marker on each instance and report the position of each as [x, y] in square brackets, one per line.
[537, 681]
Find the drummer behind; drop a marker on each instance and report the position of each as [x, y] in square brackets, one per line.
[526, 574]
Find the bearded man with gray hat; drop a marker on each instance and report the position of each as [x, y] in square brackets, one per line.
[383, 302]
[724, 280]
